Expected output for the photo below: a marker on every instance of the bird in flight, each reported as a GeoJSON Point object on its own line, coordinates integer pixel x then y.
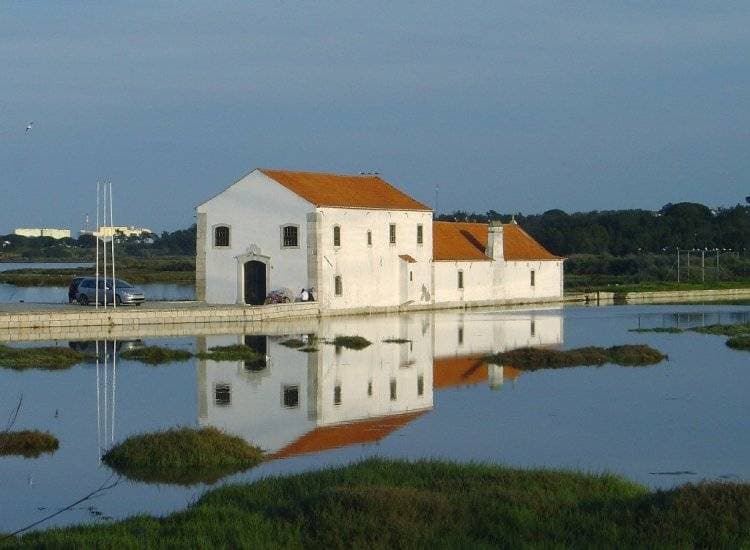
{"type": "Point", "coordinates": [29, 126]}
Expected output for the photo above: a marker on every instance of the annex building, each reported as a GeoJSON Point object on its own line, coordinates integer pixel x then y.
{"type": "Point", "coordinates": [360, 243]}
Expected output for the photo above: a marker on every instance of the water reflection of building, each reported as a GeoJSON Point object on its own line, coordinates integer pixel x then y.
{"type": "Point", "coordinates": [294, 402]}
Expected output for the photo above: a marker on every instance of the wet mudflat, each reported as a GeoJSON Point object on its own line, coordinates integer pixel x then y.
{"type": "Point", "coordinates": [422, 388]}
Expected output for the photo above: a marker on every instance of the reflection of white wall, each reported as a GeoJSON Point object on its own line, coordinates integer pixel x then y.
{"type": "Point", "coordinates": [256, 410]}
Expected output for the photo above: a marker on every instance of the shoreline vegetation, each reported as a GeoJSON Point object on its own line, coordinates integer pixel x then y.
{"type": "Point", "coordinates": [388, 503]}
{"type": "Point", "coordinates": [182, 456]}
{"type": "Point", "coordinates": [531, 359]}
{"type": "Point", "coordinates": [738, 333]}
{"type": "Point", "coordinates": [27, 443]}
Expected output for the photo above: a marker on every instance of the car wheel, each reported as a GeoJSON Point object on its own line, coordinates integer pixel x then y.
{"type": "Point", "coordinates": [285, 299]}
{"type": "Point", "coordinates": [83, 299]}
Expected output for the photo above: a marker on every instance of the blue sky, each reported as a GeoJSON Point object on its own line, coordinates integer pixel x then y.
{"type": "Point", "coordinates": [515, 106]}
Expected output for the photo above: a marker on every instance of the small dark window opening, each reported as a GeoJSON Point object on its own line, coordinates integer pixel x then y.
{"type": "Point", "coordinates": [369, 388]}
{"type": "Point", "coordinates": [337, 394]}
{"type": "Point", "coordinates": [392, 233]}
{"type": "Point", "coordinates": [533, 278]}
{"type": "Point", "coordinates": [393, 389]}
{"type": "Point", "coordinates": [369, 238]}
{"type": "Point", "coordinates": [221, 236]}
{"type": "Point", "coordinates": [420, 385]}
{"type": "Point", "coordinates": [460, 335]}
{"type": "Point", "coordinates": [338, 286]}
{"type": "Point", "coordinates": [290, 236]}
{"type": "Point", "coordinates": [411, 276]}
{"type": "Point", "coordinates": [533, 328]}
{"type": "Point", "coordinates": [291, 396]}
{"type": "Point", "coordinates": [460, 279]}
{"type": "Point", "coordinates": [223, 395]}
{"type": "Point", "coordinates": [336, 235]}
{"type": "Point", "coordinates": [419, 233]}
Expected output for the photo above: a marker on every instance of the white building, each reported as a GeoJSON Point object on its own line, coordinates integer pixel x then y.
{"type": "Point", "coordinates": [361, 244]}
{"type": "Point", "coordinates": [42, 232]}
{"type": "Point", "coordinates": [118, 230]}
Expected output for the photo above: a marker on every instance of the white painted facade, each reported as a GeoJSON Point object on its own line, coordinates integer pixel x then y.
{"type": "Point", "coordinates": [364, 269]}
{"type": "Point", "coordinates": [42, 232]}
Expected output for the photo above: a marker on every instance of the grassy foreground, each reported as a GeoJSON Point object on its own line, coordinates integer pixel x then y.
{"type": "Point", "coordinates": [182, 456]}
{"type": "Point", "coordinates": [46, 358]}
{"type": "Point", "coordinates": [541, 358]}
{"type": "Point", "coordinates": [390, 504]}
{"type": "Point", "coordinates": [27, 443]}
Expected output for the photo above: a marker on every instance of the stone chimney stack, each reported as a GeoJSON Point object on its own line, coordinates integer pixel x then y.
{"type": "Point", "coordinates": [495, 241]}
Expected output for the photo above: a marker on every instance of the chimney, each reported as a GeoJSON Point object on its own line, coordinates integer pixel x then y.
{"type": "Point", "coordinates": [495, 240]}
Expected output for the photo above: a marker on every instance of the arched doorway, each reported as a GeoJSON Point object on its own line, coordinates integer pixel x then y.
{"type": "Point", "coordinates": [255, 282]}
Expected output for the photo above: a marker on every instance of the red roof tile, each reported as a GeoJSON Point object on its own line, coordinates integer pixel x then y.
{"type": "Point", "coordinates": [468, 241]}
{"type": "Point", "coordinates": [343, 191]}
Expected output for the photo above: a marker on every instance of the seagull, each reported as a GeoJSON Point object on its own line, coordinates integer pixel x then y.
{"type": "Point", "coordinates": [30, 125]}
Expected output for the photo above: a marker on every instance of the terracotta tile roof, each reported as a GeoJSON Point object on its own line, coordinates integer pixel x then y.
{"type": "Point", "coordinates": [448, 372]}
{"type": "Point", "coordinates": [408, 259]}
{"type": "Point", "coordinates": [349, 433]}
{"type": "Point", "coordinates": [468, 241]}
{"type": "Point", "coordinates": [343, 191]}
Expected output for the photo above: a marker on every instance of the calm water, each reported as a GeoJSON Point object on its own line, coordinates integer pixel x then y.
{"type": "Point", "coordinates": [7, 266]}
{"type": "Point", "coordinates": [431, 397]}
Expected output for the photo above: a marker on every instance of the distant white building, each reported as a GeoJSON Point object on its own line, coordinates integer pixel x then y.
{"type": "Point", "coordinates": [119, 230]}
{"type": "Point", "coordinates": [42, 232]}
{"type": "Point", "coordinates": [361, 244]}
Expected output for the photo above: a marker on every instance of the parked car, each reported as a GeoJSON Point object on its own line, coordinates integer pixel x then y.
{"type": "Point", "coordinates": [121, 293]}
{"type": "Point", "coordinates": [73, 289]}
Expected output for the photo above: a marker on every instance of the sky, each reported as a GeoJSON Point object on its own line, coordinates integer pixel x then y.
{"type": "Point", "coordinates": [516, 106]}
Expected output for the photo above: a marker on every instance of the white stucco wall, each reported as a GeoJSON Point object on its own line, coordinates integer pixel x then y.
{"type": "Point", "coordinates": [255, 208]}
{"type": "Point", "coordinates": [477, 281]}
{"type": "Point", "coordinates": [374, 275]}
{"type": "Point", "coordinates": [548, 279]}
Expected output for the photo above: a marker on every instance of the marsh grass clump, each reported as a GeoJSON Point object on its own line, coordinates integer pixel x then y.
{"type": "Point", "coordinates": [182, 456]}
{"type": "Point", "coordinates": [539, 358]}
{"type": "Point", "coordinates": [308, 349]}
{"type": "Point", "coordinates": [667, 330]}
{"type": "Point", "coordinates": [236, 352]}
{"type": "Point", "coordinates": [725, 330]}
{"type": "Point", "coordinates": [382, 504]}
{"type": "Point", "coordinates": [156, 355]}
{"type": "Point", "coordinates": [46, 358]}
{"type": "Point", "coordinates": [27, 443]}
{"type": "Point", "coordinates": [396, 341]}
{"type": "Point", "coordinates": [740, 342]}
{"type": "Point", "coordinates": [351, 342]}
{"type": "Point", "coordinates": [293, 343]}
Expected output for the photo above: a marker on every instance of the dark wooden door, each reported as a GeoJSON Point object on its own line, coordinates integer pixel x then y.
{"type": "Point", "coordinates": [255, 282]}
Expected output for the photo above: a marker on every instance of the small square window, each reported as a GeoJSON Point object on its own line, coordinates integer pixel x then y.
{"type": "Point", "coordinates": [392, 233]}
{"type": "Point", "coordinates": [221, 236]}
{"type": "Point", "coordinates": [290, 395]}
{"type": "Point", "coordinates": [419, 233]}
{"type": "Point", "coordinates": [222, 395]}
{"type": "Point", "coordinates": [290, 236]}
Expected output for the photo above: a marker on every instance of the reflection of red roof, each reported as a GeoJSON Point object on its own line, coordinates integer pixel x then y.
{"type": "Point", "coordinates": [448, 372]}
{"type": "Point", "coordinates": [350, 433]}
{"type": "Point", "coordinates": [344, 191]}
{"type": "Point", "coordinates": [468, 241]}
{"type": "Point", "coordinates": [408, 259]}
{"type": "Point", "coordinates": [458, 371]}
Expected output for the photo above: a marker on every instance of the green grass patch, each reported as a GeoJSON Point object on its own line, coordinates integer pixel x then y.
{"type": "Point", "coordinates": [668, 330]}
{"type": "Point", "coordinates": [182, 456]}
{"type": "Point", "coordinates": [46, 358]}
{"type": "Point", "coordinates": [740, 342]}
{"type": "Point", "coordinates": [396, 341]}
{"type": "Point", "coordinates": [236, 352]}
{"type": "Point", "coordinates": [393, 504]}
{"type": "Point", "coordinates": [293, 343]}
{"type": "Point", "coordinates": [156, 355]}
{"type": "Point", "coordinates": [539, 358]}
{"type": "Point", "coordinates": [308, 349]}
{"type": "Point", "coordinates": [27, 443]}
{"type": "Point", "coordinates": [351, 342]}
{"type": "Point", "coordinates": [725, 330]}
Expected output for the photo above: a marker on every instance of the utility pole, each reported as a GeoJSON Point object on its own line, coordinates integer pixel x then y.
{"type": "Point", "coordinates": [678, 264]}
{"type": "Point", "coordinates": [703, 266]}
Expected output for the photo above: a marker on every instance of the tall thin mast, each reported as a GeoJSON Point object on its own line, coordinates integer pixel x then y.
{"type": "Point", "coordinates": [112, 224]}
{"type": "Point", "coordinates": [104, 244]}
{"type": "Point", "coordinates": [96, 240]}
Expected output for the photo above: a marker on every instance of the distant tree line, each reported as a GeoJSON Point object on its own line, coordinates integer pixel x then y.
{"type": "Point", "coordinates": [625, 232]}
{"type": "Point", "coordinates": [175, 243]}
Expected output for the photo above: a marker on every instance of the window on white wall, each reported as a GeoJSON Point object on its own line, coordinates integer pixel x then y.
{"type": "Point", "coordinates": [460, 279]}
{"type": "Point", "coordinates": [533, 278]}
{"type": "Point", "coordinates": [223, 395]}
{"type": "Point", "coordinates": [369, 238]}
{"type": "Point", "coordinates": [336, 235]}
{"type": "Point", "coordinates": [420, 233]}
{"type": "Point", "coordinates": [221, 235]}
{"type": "Point", "coordinates": [290, 236]}
{"type": "Point", "coordinates": [290, 395]}
{"type": "Point", "coordinates": [338, 287]}
{"type": "Point", "coordinates": [392, 233]}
